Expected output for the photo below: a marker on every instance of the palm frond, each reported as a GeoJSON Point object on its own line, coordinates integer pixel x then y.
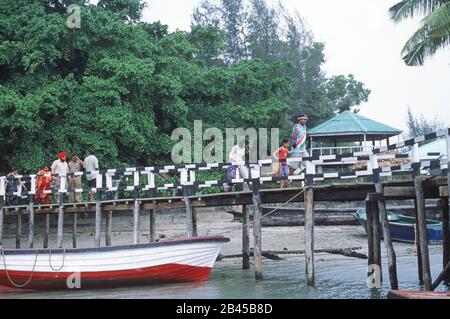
{"type": "Point", "coordinates": [421, 46]}
{"type": "Point", "coordinates": [406, 9]}
{"type": "Point", "coordinates": [438, 21]}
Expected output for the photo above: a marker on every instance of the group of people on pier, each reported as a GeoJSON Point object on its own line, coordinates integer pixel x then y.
{"type": "Point", "coordinates": [48, 178]}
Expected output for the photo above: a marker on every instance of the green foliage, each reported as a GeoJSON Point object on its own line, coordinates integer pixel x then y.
{"type": "Point", "coordinates": [419, 125]}
{"type": "Point", "coordinates": [117, 87]}
{"type": "Point", "coordinates": [434, 32]}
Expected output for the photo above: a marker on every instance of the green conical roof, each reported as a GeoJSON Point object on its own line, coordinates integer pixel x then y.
{"type": "Point", "coordinates": [349, 123]}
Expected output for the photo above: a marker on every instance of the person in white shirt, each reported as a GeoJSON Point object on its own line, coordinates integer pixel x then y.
{"type": "Point", "coordinates": [91, 165]}
{"type": "Point", "coordinates": [60, 167]}
{"type": "Point", "coordinates": [237, 159]}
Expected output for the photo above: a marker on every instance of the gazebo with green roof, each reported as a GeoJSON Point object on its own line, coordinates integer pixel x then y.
{"type": "Point", "coordinates": [349, 132]}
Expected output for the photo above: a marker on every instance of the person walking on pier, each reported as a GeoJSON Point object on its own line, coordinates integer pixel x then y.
{"type": "Point", "coordinates": [91, 166]}
{"type": "Point", "coordinates": [299, 135]}
{"type": "Point", "coordinates": [44, 183]}
{"type": "Point", "coordinates": [237, 159]}
{"type": "Point", "coordinates": [281, 155]}
{"type": "Point", "coordinates": [75, 166]}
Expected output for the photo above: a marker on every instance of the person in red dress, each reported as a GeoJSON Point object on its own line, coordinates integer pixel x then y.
{"type": "Point", "coordinates": [44, 183]}
{"type": "Point", "coordinates": [282, 154]}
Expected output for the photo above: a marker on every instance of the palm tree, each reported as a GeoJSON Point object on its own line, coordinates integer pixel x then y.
{"type": "Point", "coordinates": [434, 32]}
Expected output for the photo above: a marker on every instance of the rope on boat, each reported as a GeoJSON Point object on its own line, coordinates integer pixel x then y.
{"type": "Point", "coordinates": [7, 272]}
{"type": "Point", "coordinates": [50, 260]}
{"type": "Point", "coordinates": [269, 213]}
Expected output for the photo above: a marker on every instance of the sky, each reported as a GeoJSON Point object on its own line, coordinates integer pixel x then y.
{"type": "Point", "coordinates": [359, 39]}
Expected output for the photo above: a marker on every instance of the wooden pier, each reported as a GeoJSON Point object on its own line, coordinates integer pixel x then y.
{"type": "Point", "coordinates": [368, 185]}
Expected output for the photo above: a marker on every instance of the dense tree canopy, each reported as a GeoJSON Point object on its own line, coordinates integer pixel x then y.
{"type": "Point", "coordinates": [118, 86]}
{"type": "Point", "coordinates": [254, 30]}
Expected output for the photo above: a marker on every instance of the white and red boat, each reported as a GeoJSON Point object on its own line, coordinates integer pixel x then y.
{"type": "Point", "coordinates": [182, 260]}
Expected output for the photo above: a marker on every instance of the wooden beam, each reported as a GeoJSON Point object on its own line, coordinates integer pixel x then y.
{"type": "Point", "coordinates": [189, 218]}
{"type": "Point", "coordinates": [31, 224]}
{"type": "Point", "coordinates": [108, 229]}
{"type": "Point", "coordinates": [152, 225]}
{"type": "Point", "coordinates": [137, 222]}
{"type": "Point", "coordinates": [445, 234]}
{"type": "Point", "coordinates": [74, 230]}
{"type": "Point", "coordinates": [60, 231]}
{"type": "Point", "coordinates": [443, 191]}
{"type": "Point", "coordinates": [245, 237]}
{"type": "Point", "coordinates": [423, 232]}
{"type": "Point", "coordinates": [2, 217]}
{"type": "Point", "coordinates": [257, 230]}
{"type": "Point", "coordinates": [309, 234]}
{"type": "Point", "coordinates": [98, 223]}
{"type": "Point", "coordinates": [417, 243]}
{"type": "Point", "coordinates": [46, 231]}
{"type": "Point", "coordinates": [194, 223]}
{"type": "Point", "coordinates": [18, 230]}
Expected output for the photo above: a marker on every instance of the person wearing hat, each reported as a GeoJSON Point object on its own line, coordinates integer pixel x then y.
{"type": "Point", "coordinates": [60, 167]}
{"type": "Point", "coordinates": [299, 135]}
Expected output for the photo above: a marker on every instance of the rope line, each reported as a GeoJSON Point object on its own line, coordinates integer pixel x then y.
{"type": "Point", "coordinates": [11, 281]}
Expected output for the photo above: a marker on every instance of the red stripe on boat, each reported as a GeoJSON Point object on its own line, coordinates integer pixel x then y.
{"type": "Point", "coordinates": [157, 274]}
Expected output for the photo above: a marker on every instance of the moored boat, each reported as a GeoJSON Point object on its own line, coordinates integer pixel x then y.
{"type": "Point", "coordinates": [409, 294]}
{"type": "Point", "coordinates": [402, 227]}
{"type": "Point", "coordinates": [169, 261]}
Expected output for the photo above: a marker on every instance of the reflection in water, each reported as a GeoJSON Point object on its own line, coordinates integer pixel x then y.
{"type": "Point", "coordinates": [336, 277]}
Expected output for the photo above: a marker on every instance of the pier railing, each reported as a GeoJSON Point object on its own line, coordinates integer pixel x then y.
{"type": "Point", "coordinates": [147, 181]}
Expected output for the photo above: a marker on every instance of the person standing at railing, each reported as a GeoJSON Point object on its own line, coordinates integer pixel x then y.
{"type": "Point", "coordinates": [91, 166]}
{"type": "Point", "coordinates": [13, 185]}
{"type": "Point", "coordinates": [299, 138]}
{"type": "Point", "coordinates": [281, 155]}
{"type": "Point", "coordinates": [60, 167]}
{"type": "Point", "coordinates": [75, 166]}
{"type": "Point", "coordinates": [43, 183]}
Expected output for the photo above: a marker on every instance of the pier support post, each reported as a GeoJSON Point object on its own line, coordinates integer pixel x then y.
{"type": "Point", "coordinates": [257, 231]}
{"type": "Point", "coordinates": [46, 231]}
{"type": "Point", "coordinates": [60, 231]}
{"type": "Point", "coordinates": [245, 238]}
{"type": "Point", "coordinates": [31, 223]}
{"type": "Point", "coordinates": [18, 228]}
{"type": "Point", "coordinates": [98, 222]}
{"type": "Point", "coordinates": [373, 226]}
{"type": "Point", "coordinates": [445, 235]}
{"type": "Point", "coordinates": [370, 230]}
{"type": "Point", "coordinates": [152, 226]}
{"type": "Point", "coordinates": [416, 172]}
{"type": "Point", "coordinates": [2, 205]}
{"type": "Point", "coordinates": [137, 222]}
{"type": "Point", "coordinates": [2, 216]}
{"type": "Point", "coordinates": [108, 229]}
{"type": "Point", "coordinates": [309, 223]}
{"type": "Point", "coordinates": [423, 233]}
{"type": "Point", "coordinates": [194, 223]}
{"type": "Point", "coordinates": [74, 230]}
{"type": "Point", "coordinates": [392, 258]}
{"type": "Point", "coordinates": [189, 214]}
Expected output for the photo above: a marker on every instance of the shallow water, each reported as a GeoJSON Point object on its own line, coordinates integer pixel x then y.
{"type": "Point", "coordinates": [336, 278]}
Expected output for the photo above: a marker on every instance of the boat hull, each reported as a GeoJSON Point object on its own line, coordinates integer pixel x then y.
{"type": "Point", "coordinates": [188, 260]}
{"type": "Point", "coordinates": [402, 228]}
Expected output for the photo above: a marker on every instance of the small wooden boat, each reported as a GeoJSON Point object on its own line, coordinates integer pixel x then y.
{"type": "Point", "coordinates": [293, 216]}
{"type": "Point", "coordinates": [407, 294]}
{"type": "Point", "coordinates": [402, 227]}
{"type": "Point", "coordinates": [182, 260]}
